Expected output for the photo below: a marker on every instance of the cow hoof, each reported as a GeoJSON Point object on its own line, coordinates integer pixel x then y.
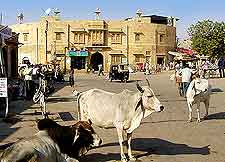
{"type": "Point", "coordinates": [198, 120]}
{"type": "Point", "coordinates": [190, 120]}
{"type": "Point", "coordinates": [124, 159]}
{"type": "Point", "coordinates": [132, 158]}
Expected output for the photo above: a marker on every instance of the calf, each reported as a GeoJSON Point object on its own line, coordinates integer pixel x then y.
{"type": "Point", "coordinates": [53, 143]}
{"type": "Point", "coordinates": [198, 91]}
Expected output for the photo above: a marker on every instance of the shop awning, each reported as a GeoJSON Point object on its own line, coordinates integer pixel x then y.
{"type": "Point", "coordinates": [77, 53]}
{"type": "Point", "coordinates": [177, 54]}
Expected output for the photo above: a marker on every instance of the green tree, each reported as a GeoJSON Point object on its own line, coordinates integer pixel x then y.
{"type": "Point", "coordinates": [208, 37]}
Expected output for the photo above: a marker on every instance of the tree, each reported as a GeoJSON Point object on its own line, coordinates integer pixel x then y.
{"type": "Point", "coordinates": [208, 37]}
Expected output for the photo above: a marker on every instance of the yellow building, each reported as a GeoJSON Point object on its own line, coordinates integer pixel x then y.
{"type": "Point", "coordinates": [83, 43]}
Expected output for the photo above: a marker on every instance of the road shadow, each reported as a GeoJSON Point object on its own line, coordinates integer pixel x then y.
{"type": "Point", "coordinates": [66, 116]}
{"type": "Point", "coordinates": [216, 90]}
{"type": "Point", "coordinates": [129, 81]}
{"type": "Point", "coordinates": [16, 113]}
{"type": "Point", "coordinates": [60, 99]}
{"type": "Point", "coordinates": [216, 116]}
{"type": "Point", "coordinates": [164, 121]}
{"type": "Point", "coordinates": [149, 146]}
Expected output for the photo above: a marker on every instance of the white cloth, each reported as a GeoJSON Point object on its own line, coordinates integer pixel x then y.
{"type": "Point", "coordinates": [186, 74]}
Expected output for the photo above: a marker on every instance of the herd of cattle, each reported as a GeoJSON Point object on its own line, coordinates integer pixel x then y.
{"type": "Point", "coordinates": [124, 111]}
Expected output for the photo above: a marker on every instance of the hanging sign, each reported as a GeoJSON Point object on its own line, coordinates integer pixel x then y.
{"type": "Point", "coordinates": [3, 87]}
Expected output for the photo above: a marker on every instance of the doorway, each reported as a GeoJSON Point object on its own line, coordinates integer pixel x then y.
{"type": "Point", "coordinates": [160, 60]}
{"type": "Point", "coordinates": [96, 59]}
{"type": "Point", "coordinates": [78, 62]}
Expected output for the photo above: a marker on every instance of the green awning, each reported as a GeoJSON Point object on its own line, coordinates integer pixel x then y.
{"type": "Point", "coordinates": [77, 53]}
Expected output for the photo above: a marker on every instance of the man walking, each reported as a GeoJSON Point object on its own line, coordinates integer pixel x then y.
{"type": "Point", "coordinates": [100, 70]}
{"type": "Point", "coordinates": [221, 65]}
{"type": "Point", "coordinates": [186, 73]}
{"type": "Point", "coordinates": [71, 78]}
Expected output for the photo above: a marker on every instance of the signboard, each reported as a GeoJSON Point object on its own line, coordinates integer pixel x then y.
{"type": "Point", "coordinates": [3, 87]}
{"type": "Point", "coordinates": [124, 60]}
{"type": "Point", "coordinates": [78, 53]}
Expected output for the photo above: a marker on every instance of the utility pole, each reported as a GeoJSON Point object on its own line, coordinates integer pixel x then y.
{"type": "Point", "coordinates": [1, 18]}
{"type": "Point", "coordinates": [46, 41]}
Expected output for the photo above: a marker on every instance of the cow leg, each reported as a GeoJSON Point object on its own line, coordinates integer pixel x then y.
{"type": "Point", "coordinates": [206, 102]}
{"type": "Point", "coordinates": [129, 137]}
{"type": "Point", "coordinates": [198, 112]}
{"type": "Point", "coordinates": [190, 112]}
{"type": "Point", "coordinates": [120, 136]}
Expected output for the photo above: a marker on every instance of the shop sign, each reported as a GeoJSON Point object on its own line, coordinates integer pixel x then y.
{"type": "Point", "coordinates": [77, 53]}
{"type": "Point", "coordinates": [3, 87]}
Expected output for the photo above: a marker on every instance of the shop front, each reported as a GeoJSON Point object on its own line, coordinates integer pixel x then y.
{"type": "Point", "coordinates": [78, 59]}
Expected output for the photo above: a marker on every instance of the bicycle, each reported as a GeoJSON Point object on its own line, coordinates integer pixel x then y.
{"type": "Point", "coordinates": [41, 95]}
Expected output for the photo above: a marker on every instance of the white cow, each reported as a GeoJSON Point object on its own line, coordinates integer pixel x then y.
{"type": "Point", "coordinates": [198, 91]}
{"type": "Point", "coordinates": [123, 110]}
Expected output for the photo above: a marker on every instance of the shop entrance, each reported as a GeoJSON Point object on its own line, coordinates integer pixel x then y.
{"type": "Point", "coordinates": [96, 59]}
{"type": "Point", "coordinates": [160, 60]}
{"type": "Point", "coordinates": [78, 62]}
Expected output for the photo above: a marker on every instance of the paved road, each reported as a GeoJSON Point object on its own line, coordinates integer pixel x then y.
{"type": "Point", "coordinates": [162, 137]}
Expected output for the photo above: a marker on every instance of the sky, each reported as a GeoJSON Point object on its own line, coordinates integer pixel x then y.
{"type": "Point", "coordinates": [188, 11]}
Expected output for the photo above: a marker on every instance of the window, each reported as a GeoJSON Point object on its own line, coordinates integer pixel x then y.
{"type": "Point", "coordinates": [25, 37]}
{"type": "Point", "coordinates": [116, 59]}
{"type": "Point", "coordinates": [81, 38]}
{"type": "Point", "coordinates": [162, 38]}
{"type": "Point", "coordinates": [58, 36]}
{"type": "Point", "coordinates": [148, 53]}
{"type": "Point", "coordinates": [116, 39]}
{"type": "Point", "coordinates": [137, 36]}
{"type": "Point", "coordinates": [139, 58]}
{"type": "Point", "coordinates": [113, 38]}
{"type": "Point", "coordinates": [76, 40]}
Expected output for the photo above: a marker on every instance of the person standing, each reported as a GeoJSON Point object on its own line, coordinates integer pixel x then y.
{"type": "Point", "coordinates": [71, 78]}
{"type": "Point", "coordinates": [186, 73]}
{"type": "Point", "coordinates": [221, 65]}
{"type": "Point", "coordinates": [100, 70]}
{"type": "Point", "coordinates": [28, 82]}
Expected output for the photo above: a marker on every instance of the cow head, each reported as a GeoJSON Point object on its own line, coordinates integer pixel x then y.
{"type": "Point", "coordinates": [149, 100]}
{"type": "Point", "coordinates": [74, 140]}
{"type": "Point", "coordinates": [200, 85]}
{"type": "Point", "coordinates": [85, 137]}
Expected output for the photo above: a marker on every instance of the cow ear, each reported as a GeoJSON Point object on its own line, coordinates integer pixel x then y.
{"type": "Point", "coordinates": [139, 87]}
{"type": "Point", "coordinates": [148, 82]}
{"type": "Point", "coordinates": [89, 121]}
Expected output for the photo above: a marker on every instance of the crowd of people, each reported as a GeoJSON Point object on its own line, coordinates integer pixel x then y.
{"type": "Point", "coordinates": [30, 77]}
{"type": "Point", "coordinates": [186, 71]}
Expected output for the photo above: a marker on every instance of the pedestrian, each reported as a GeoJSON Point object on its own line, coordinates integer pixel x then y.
{"type": "Point", "coordinates": [147, 68]}
{"type": "Point", "coordinates": [28, 82]}
{"type": "Point", "coordinates": [221, 65]}
{"type": "Point", "coordinates": [71, 78]}
{"type": "Point", "coordinates": [100, 70]}
{"type": "Point", "coordinates": [186, 74]}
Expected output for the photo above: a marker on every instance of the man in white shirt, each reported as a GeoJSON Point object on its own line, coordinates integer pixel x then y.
{"type": "Point", "coordinates": [186, 73]}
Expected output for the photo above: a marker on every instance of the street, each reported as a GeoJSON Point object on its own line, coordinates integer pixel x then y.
{"type": "Point", "coordinates": [162, 137]}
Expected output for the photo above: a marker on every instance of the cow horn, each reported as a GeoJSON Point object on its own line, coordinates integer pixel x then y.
{"type": "Point", "coordinates": [139, 87]}
{"type": "Point", "coordinates": [148, 82]}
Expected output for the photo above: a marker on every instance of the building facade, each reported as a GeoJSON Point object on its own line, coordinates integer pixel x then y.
{"type": "Point", "coordinates": [8, 52]}
{"type": "Point", "coordinates": [88, 43]}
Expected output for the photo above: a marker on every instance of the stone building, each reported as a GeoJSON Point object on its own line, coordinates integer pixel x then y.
{"type": "Point", "coordinates": [8, 52]}
{"type": "Point", "coordinates": [80, 43]}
